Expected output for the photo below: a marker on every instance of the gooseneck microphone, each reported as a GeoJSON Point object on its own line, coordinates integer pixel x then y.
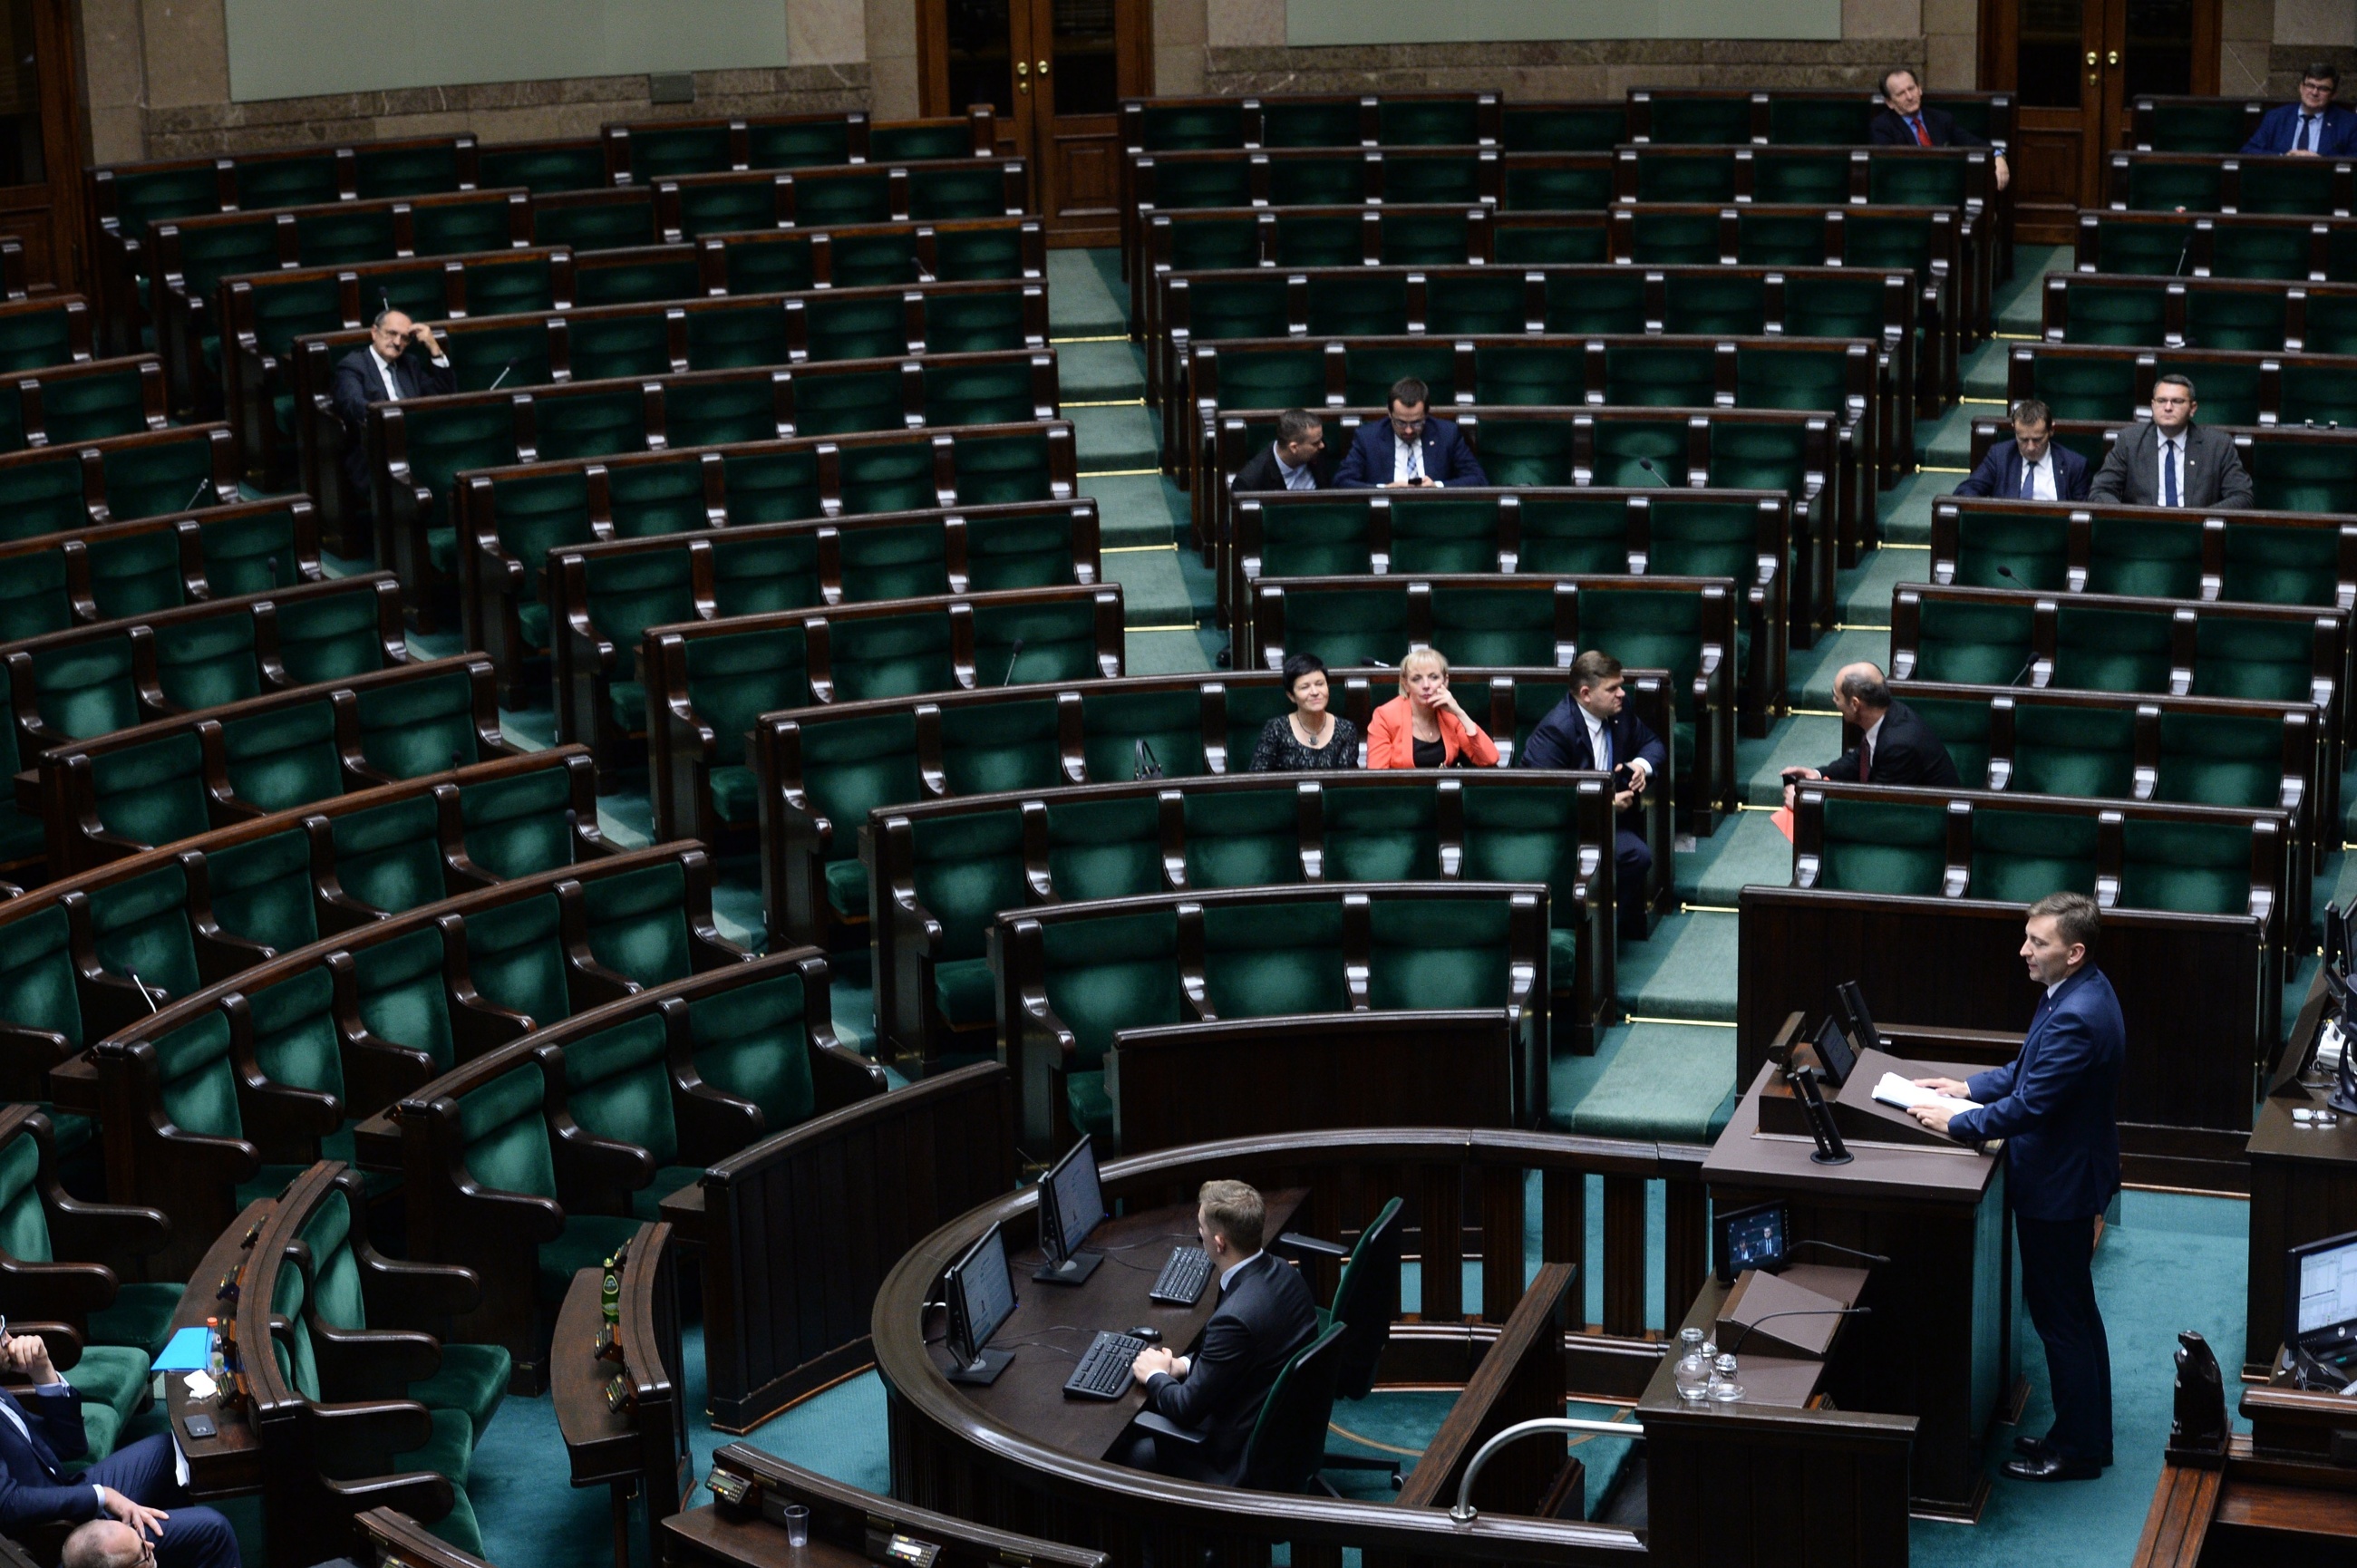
{"type": "Point", "coordinates": [1647, 464]}
{"type": "Point", "coordinates": [502, 376]}
{"type": "Point", "coordinates": [1013, 654]}
{"type": "Point", "coordinates": [1836, 1247]}
{"type": "Point", "coordinates": [1798, 1312]}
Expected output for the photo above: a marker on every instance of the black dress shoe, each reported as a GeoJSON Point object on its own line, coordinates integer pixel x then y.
{"type": "Point", "coordinates": [2051, 1467]}
{"type": "Point", "coordinates": [2030, 1447]}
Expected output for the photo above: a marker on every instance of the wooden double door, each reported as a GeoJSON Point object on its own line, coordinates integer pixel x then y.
{"type": "Point", "coordinates": [2076, 67]}
{"type": "Point", "coordinates": [1056, 70]}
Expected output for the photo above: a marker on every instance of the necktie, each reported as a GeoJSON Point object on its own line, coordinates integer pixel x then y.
{"type": "Point", "coordinates": [1866, 759]}
{"type": "Point", "coordinates": [1416, 459]}
{"type": "Point", "coordinates": [2169, 473]}
{"type": "Point", "coordinates": [2030, 481]}
{"type": "Point", "coordinates": [2308, 132]}
{"type": "Point", "coordinates": [1915, 124]}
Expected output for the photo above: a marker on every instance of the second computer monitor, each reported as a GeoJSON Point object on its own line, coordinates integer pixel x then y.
{"type": "Point", "coordinates": [981, 1297]}
{"type": "Point", "coordinates": [1071, 1206]}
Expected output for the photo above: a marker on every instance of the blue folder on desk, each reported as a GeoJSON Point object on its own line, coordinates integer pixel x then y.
{"type": "Point", "coordinates": [190, 1350]}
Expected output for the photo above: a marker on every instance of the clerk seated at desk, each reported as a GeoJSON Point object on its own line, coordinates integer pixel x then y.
{"type": "Point", "coordinates": [1265, 1315]}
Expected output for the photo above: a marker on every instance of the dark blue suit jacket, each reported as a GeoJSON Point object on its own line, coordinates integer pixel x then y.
{"type": "Point", "coordinates": [32, 1488]}
{"type": "Point", "coordinates": [2056, 1104]}
{"type": "Point", "coordinates": [1561, 741]}
{"type": "Point", "coordinates": [1262, 1319]}
{"type": "Point", "coordinates": [1447, 457]}
{"type": "Point", "coordinates": [2276, 132]}
{"type": "Point", "coordinates": [2000, 473]}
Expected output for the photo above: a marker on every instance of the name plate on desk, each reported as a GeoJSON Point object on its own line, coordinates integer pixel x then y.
{"type": "Point", "coordinates": [1861, 1118]}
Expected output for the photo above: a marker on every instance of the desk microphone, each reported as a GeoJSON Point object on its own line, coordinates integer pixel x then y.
{"type": "Point", "coordinates": [1836, 1247]}
{"type": "Point", "coordinates": [1647, 464]}
{"type": "Point", "coordinates": [191, 503]}
{"type": "Point", "coordinates": [502, 376]}
{"type": "Point", "coordinates": [1798, 1312]}
{"type": "Point", "coordinates": [2179, 269]}
{"type": "Point", "coordinates": [1013, 654]}
{"type": "Point", "coordinates": [2006, 573]}
{"type": "Point", "coordinates": [145, 992]}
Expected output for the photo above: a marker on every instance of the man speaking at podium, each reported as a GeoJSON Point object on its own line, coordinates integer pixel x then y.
{"type": "Point", "coordinates": [2055, 1105]}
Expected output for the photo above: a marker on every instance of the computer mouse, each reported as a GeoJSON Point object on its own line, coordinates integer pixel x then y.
{"type": "Point", "coordinates": [1149, 1335]}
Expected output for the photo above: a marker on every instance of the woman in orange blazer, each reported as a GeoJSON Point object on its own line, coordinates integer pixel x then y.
{"type": "Point", "coordinates": [1423, 727]}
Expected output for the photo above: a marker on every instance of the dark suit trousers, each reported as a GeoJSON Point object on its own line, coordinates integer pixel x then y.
{"type": "Point", "coordinates": [194, 1537]}
{"type": "Point", "coordinates": [2058, 1286]}
{"type": "Point", "coordinates": [1632, 858]}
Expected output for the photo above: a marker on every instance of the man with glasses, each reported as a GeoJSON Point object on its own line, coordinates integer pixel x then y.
{"type": "Point", "coordinates": [2169, 460]}
{"type": "Point", "coordinates": [2315, 127]}
{"type": "Point", "coordinates": [1409, 450]}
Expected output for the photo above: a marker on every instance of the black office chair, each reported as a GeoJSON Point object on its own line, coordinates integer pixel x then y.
{"type": "Point", "coordinates": [1366, 1300]}
{"type": "Point", "coordinates": [1286, 1450]}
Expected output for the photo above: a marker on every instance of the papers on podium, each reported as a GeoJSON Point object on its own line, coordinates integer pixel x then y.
{"type": "Point", "coordinates": [1906, 1094]}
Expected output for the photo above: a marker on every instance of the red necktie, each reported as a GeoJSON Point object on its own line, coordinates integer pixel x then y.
{"type": "Point", "coordinates": [1865, 760]}
{"type": "Point", "coordinates": [1922, 136]}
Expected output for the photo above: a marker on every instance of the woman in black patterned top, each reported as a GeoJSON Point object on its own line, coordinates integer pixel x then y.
{"type": "Point", "coordinates": [1310, 737]}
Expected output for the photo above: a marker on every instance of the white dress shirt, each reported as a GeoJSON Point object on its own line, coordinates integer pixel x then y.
{"type": "Point", "coordinates": [384, 373]}
{"type": "Point", "coordinates": [2170, 449]}
{"type": "Point", "coordinates": [2311, 132]}
{"type": "Point", "coordinates": [2040, 476]}
{"type": "Point", "coordinates": [1295, 478]}
{"type": "Point", "coordinates": [1600, 742]}
{"type": "Point", "coordinates": [1407, 459]}
{"type": "Point", "coordinates": [1865, 742]}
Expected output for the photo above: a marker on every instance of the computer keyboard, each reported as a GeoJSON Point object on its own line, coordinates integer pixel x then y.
{"type": "Point", "coordinates": [1182, 1279]}
{"type": "Point", "coordinates": [1103, 1372]}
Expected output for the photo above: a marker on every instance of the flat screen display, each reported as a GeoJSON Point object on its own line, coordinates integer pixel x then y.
{"type": "Point", "coordinates": [1077, 1204]}
{"type": "Point", "coordinates": [2326, 1295]}
{"type": "Point", "coordinates": [981, 1293]}
{"type": "Point", "coordinates": [1751, 1239]}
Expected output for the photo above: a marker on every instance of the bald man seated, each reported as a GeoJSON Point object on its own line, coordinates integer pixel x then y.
{"type": "Point", "coordinates": [1895, 747]}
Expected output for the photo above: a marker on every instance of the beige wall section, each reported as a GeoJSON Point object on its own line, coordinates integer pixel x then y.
{"type": "Point", "coordinates": [1244, 51]}
{"type": "Point", "coordinates": [892, 57]}
{"type": "Point", "coordinates": [2246, 31]}
{"type": "Point", "coordinates": [158, 76]}
{"type": "Point", "coordinates": [2304, 30]}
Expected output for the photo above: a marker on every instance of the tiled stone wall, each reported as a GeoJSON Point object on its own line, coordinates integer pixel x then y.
{"type": "Point", "coordinates": [1586, 69]}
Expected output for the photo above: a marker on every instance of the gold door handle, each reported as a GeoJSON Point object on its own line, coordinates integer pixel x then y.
{"type": "Point", "coordinates": [2113, 58]}
{"type": "Point", "coordinates": [2091, 56]}
{"type": "Point", "coordinates": [1022, 76]}
{"type": "Point", "coordinates": [1043, 68]}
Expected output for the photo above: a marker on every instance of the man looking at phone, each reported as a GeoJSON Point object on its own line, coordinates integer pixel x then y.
{"type": "Point", "coordinates": [1592, 729]}
{"type": "Point", "coordinates": [1410, 449]}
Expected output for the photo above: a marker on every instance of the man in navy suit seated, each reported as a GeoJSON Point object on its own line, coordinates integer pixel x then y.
{"type": "Point", "coordinates": [2030, 467]}
{"type": "Point", "coordinates": [1592, 729]}
{"type": "Point", "coordinates": [2315, 126]}
{"type": "Point", "coordinates": [1264, 1317]}
{"type": "Point", "coordinates": [2056, 1106]}
{"type": "Point", "coordinates": [1410, 448]}
{"type": "Point", "coordinates": [120, 1500]}
{"type": "Point", "coordinates": [1906, 123]}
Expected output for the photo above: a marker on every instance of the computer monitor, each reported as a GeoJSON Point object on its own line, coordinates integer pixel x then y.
{"type": "Point", "coordinates": [1751, 1238]}
{"type": "Point", "coordinates": [1835, 1061]}
{"type": "Point", "coordinates": [980, 1296]}
{"type": "Point", "coordinates": [2320, 1298]}
{"type": "Point", "coordinates": [1071, 1206]}
{"type": "Point", "coordinates": [1857, 1021]}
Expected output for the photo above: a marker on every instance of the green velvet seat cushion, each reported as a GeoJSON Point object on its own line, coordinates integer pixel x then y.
{"type": "Point", "coordinates": [472, 1379]}
{"type": "Point", "coordinates": [646, 1203]}
{"type": "Point", "coordinates": [588, 1240]}
{"type": "Point", "coordinates": [748, 1041]}
{"type": "Point", "coordinates": [112, 1376]}
{"type": "Point", "coordinates": [460, 1528]}
{"type": "Point", "coordinates": [515, 826]}
{"type": "Point", "coordinates": [140, 1318]}
{"type": "Point", "coordinates": [846, 888]}
{"type": "Point", "coordinates": [447, 1452]}
{"type": "Point", "coordinates": [636, 923]}
{"type": "Point", "coordinates": [735, 795]}
{"type": "Point", "coordinates": [532, 620]}
{"type": "Point", "coordinates": [626, 704]}
{"type": "Point", "coordinates": [1091, 1105]}
{"type": "Point", "coordinates": [1562, 957]}
{"type": "Point", "coordinates": [442, 548]}
{"type": "Point", "coordinates": [966, 993]}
